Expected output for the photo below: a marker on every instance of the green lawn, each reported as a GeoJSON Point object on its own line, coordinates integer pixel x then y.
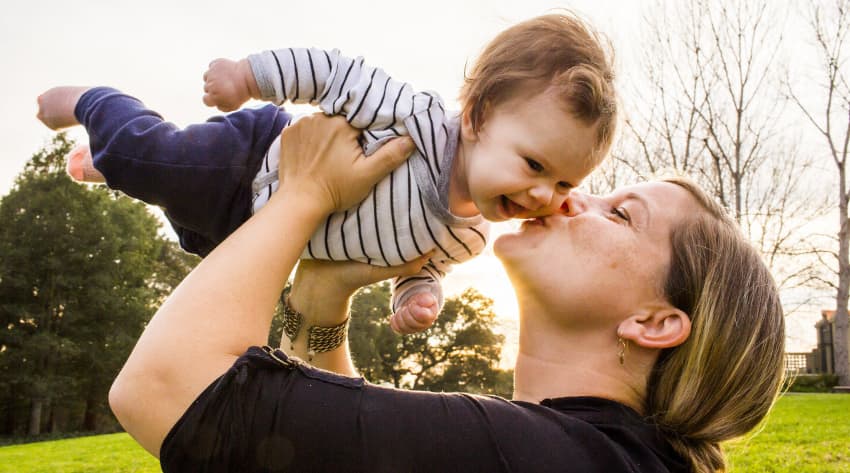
{"type": "Point", "coordinates": [112, 453]}
{"type": "Point", "coordinates": [806, 433]}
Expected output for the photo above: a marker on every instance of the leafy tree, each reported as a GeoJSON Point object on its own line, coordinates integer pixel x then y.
{"type": "Point", "coordinates": [81, 272]}
{"type": "Point", "coordinates": [459, 353]}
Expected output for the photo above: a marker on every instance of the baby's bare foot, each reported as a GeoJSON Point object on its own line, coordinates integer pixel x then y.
{"type": "Point", "coordinates": [81, 166]}
{"type": "Point", "coordinates": [56, 106]}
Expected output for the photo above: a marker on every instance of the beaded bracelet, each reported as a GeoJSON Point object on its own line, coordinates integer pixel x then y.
{"type": "Point", "coordinates": [319, 339]}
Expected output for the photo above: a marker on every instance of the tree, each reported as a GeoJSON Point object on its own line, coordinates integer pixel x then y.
{"type": "Point", "coordinates": [710, 104]}
{"type": "Point", "coordinates": [82, 270]}
{"type": "Point", "coordinates": [829, 115]}
{"type": "Point", "coordinates": [459, 353]}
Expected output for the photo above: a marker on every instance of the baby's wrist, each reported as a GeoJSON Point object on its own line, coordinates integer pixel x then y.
{"type": "Point", "coordinates": [247, 76]}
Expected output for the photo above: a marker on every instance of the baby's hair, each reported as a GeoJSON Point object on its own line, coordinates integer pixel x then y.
{"type": "Point", "coordinates": [556, 51]}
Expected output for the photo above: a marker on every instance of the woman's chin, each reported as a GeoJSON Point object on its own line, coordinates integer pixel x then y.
{"type": "Point", "coordinates": [510, 245]}
{"type": "Point", "coordinates": [505, 245]}
{"type": "Point", "coordinates": [511, 248]}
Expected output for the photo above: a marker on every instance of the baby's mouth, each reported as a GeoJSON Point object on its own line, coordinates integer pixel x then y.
{"type": "Point", "coordinates": [511, 209]}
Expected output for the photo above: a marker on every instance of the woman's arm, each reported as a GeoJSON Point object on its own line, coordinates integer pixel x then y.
{"type": "Point", "coordinates": [226, 304]}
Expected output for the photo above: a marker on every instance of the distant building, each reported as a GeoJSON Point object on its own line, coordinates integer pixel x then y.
{"type": "Point", "coordinates": [820, 360]}
{"type": "Point", "coordinates": [824, 360]}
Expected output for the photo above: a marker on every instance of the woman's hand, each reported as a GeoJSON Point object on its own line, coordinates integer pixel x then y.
{"type": "Point", "coordinates": [321, 161]}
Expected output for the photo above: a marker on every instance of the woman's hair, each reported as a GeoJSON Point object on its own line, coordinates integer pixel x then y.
{"type": "Point", "coordinates": [722, 381]}
{"type": "Point", "coordinates": [557, 51]}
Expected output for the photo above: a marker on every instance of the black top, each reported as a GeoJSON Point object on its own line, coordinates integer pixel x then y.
{"type": "Point", "coordinates": [270, 413]}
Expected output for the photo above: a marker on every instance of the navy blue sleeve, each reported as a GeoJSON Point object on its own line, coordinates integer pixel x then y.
{"type": "Point", "coordinates": [200, 175]}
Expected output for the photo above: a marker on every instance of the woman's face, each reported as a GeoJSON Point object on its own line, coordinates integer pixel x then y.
{"type": "Point", "coordinates": [601, 259]}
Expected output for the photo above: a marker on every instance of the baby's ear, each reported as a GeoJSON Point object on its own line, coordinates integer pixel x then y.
{"type": "Point", "coordinates": [467, 133]}
{"type": "Point", "coordinates": [469, 130]}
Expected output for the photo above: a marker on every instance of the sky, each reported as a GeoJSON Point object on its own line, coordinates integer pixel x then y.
{"type": "Point", "coordinates": [158, 51]}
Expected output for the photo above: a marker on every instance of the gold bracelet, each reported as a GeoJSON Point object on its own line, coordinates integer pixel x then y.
{"type": "Point", "coordinates": [319, 339]}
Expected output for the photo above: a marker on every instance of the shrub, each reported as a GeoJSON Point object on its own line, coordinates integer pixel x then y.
{"type": "Point", "coordinates": [812, 383]}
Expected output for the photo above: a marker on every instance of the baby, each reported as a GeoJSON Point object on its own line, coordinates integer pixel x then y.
{"type": "Point", "coordinates": [538, 111]}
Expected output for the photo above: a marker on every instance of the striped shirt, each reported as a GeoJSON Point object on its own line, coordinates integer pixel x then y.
{"type": "Point", "coordinates": [406, 215]}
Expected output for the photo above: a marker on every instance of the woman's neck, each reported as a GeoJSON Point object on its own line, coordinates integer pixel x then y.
{"type": "Point", "coordinates": [554, 362]}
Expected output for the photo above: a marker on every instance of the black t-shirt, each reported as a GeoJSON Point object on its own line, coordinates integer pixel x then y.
{"type": "Point", "coordinates": [270, 413]}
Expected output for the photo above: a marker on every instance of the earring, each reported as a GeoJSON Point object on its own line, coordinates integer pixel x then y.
{"type": "Point", "coordinates": [622, 349]}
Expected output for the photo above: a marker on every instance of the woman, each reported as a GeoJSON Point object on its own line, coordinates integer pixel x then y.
{"type": "Point", "coordinates": [649, 332]}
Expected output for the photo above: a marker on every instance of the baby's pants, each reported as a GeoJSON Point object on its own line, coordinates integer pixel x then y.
{"type": "Point", "coordinates": [200, 175]}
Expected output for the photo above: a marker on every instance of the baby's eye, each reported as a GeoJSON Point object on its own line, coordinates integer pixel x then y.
{"type": "Point", "coordinates": [564, 186]}
{"type": "Point", "coordinates": [534, 165]}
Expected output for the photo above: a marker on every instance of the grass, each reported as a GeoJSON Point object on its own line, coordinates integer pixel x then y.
{"type": "Point", "coordinates": [96, 454]}
{"type": "Point", "coordinates": [805, 433]}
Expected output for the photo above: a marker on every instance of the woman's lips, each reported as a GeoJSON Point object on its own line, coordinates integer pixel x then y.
{"type": "Point", "coordinates": [534, 222]}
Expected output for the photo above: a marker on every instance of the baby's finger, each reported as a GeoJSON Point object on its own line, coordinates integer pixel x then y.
{"type": "Point", "coordinates": [423, 310]}
{"type": "Point", "coordinates": [400, 322]}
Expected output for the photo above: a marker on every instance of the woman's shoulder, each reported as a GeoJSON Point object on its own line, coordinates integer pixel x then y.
{"type": "Point", "coordinates": [626, 433]}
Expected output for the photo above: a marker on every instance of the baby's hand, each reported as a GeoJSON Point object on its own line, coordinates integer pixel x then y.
{"type": "Point", "coordinates": [228, 84]}
{"type": "Point", "coordinates": [56, 106]}
{"type": "Point", "coordinates": [417, 314]}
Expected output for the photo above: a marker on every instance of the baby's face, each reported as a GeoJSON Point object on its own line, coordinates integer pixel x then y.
{"type": "Point", "coordinates": [526, 158]}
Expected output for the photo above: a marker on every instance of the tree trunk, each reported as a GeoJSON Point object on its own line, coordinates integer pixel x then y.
{"type": "Point", "coordinates": [8, 425]}
{"type": "Point", "coordinates": [35, 417]}
{"type": "Point", "coordinates": [840, 322]}
{"type": "Point", "coordinates": [51, 416]}
{"type": "Point", "coordinates": [840, 341]}
{"type": "Point", "coordinates": [90, 416]}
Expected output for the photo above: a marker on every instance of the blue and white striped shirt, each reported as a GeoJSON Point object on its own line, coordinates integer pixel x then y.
{"type": "Point", "coordinates": [406, 215]}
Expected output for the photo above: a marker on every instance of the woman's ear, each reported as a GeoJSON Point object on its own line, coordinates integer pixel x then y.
{"type": "Point", "coordinates": [661, 326]}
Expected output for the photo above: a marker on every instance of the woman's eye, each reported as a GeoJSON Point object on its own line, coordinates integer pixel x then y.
{"type": "Point", "coordinates": [534, 165]}
{"type": "Point", "coordinates": [621, 213]}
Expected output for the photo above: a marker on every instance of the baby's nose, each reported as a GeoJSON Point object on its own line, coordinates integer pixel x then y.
{"type": "Point", "coordinates": [542, 195]}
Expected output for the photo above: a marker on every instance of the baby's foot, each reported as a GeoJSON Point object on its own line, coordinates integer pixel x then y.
{"type": "Point", "coordinates": [81, 166]}
{"type": "Point", "coordinates": [56, 106]}
{"type": "Point", "coordinates": [417, 314]}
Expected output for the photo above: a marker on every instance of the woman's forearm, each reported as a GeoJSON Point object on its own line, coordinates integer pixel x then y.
{"type": "Point", "coordinates": [224, 306]}
{"type": "Point", "coordinates": [234, 290]}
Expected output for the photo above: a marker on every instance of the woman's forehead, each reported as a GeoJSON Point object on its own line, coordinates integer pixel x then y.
{"type": "Point", "coordinates": [654, 193]}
